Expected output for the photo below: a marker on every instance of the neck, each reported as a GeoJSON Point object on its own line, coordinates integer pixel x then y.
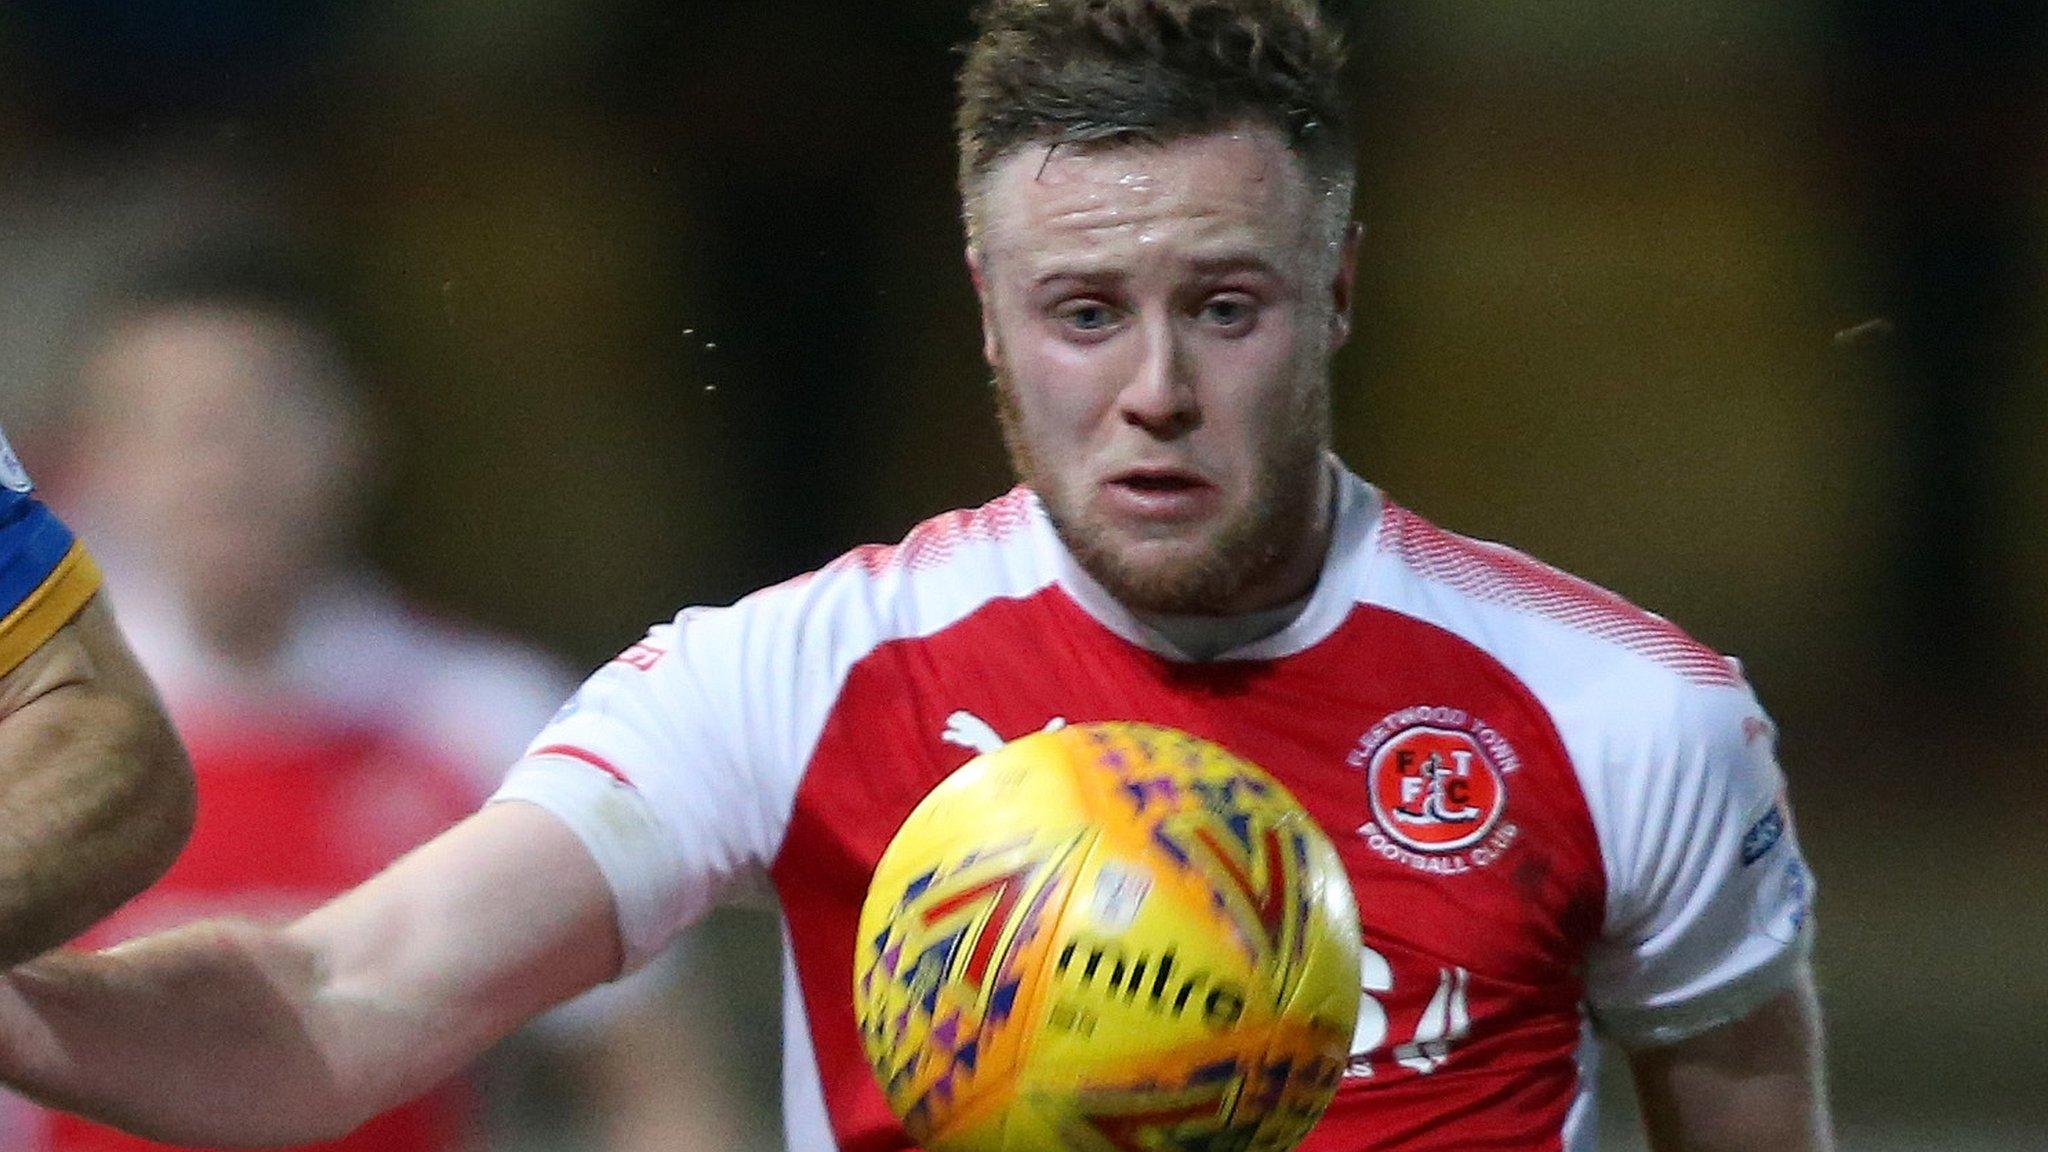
{"type": "Point", "coordinates": [1207, 637]}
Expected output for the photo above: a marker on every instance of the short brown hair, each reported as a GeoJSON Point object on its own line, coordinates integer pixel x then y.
{"type": "Point", "coordinates": [1093, 71]}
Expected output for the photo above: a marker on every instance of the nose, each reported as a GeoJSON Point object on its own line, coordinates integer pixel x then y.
{"type": "Point", "coordinates": [1161, 398]}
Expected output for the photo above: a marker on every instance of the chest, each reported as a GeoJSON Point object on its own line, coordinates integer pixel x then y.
{"type": "Point", "coordinates": [1438, 777]}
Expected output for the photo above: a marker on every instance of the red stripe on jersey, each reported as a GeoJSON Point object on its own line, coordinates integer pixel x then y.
{"type": "Point", "coordinates": [1500, 575]}
{"type": "Point", "coordinates": [591, 758]}
{"type": "Point", "coordinates": [932, 543]}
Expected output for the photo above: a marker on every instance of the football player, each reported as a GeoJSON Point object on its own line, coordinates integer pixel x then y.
{"type": "Point", "coordinates": [1562, 817]}
{"type": "Point", "coordinates": [95, 792]}
{"type": "Point", "coordinates": [221, 443]}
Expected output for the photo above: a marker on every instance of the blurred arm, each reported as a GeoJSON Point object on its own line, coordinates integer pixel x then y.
{"type": "Point", "coordinates": [95, 794]}
{"type": "Point", "coordinates": [1755, 1085]}
{"type": "Point", "coordinates": [230, 1033]}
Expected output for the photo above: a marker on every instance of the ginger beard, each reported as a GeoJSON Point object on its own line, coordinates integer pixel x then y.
{"type": "Point", "coordinates": [1211, 570]}
{"type": "Point", "coordinates": [1160, 319]}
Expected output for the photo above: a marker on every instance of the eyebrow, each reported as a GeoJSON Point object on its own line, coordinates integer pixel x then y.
{"type": "Point", "coordinates": [1235, 262]}
{"type": "Point", "coordinates": [1221, 264]}
{"type": "Point", "coordinates": [1083, 273]}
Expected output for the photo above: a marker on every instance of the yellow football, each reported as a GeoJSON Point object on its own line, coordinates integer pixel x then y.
{"type": "Point", "coordinates": [1105, 938]}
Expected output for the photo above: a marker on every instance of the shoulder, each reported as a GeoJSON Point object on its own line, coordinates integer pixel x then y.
{"type": "Point", "coordinates": [713, 717]}
{"type": "Point", "coordinates": [941, 572]}
{"type": "Point", "coordinates": [1513, 602]}
{"type": "Point", "coordinates": [1640, 705]}
{"type": "Point", "coordinates": [762, 674]}
{"type": "Point", "coordinates": [1589, 655]}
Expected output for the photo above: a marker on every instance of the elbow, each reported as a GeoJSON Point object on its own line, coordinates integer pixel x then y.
{"type": "Point", "coordinates": [148, 803]}
{"type": "Point", "coordinates": [110, 802]}
{"type": "Point", "coordinates": [165, 797]}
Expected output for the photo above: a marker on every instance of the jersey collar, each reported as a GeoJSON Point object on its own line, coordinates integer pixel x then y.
{"type": "Point", "coordinates": [1355, 525]}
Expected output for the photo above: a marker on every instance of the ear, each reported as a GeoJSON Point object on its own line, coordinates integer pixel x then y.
{"type": "Point", "coordinates": [978, 272]}
{"type": "Point", "coordinates": [1341, 287]}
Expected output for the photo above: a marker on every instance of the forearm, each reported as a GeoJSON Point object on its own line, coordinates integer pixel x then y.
{"type": "Point", "coordinates": [204, 1035]}
{"type": "Point", "coordinates": [232, 1034]}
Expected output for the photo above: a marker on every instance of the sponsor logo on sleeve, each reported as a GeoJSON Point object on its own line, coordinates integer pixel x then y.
{"type": "Point", "coordinates": [12, 474]}
{"type": "Point", "coordinates": [1784, 900]}
{"type": "Point", "coordinates": [1763, 835]}
{"type": "Point", "coordinates": [1436, 779]}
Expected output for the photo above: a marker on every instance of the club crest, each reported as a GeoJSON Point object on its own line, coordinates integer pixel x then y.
{"type": "Point", "coordinates": [1436, 779]}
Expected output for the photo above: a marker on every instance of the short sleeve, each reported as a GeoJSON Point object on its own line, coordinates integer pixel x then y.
{"type": "Point", "coordinates": [1709, 910]}
{"type": "Point", "coordinates": [650, 764]}
{"type": "Point", "coordinates": [679, 763]}
{"type": "Point", "coordinates": [45, 575]}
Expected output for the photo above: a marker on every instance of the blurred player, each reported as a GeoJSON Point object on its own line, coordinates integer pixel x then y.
{"type": "Point", "coordinates": [1561, 815]}
{"type": "Point", "coordinates": [223, 453]}
{"type": "Point", "coordinates": [95, 795]}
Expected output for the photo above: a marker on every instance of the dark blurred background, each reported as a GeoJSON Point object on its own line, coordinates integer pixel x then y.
{"type": "Point", "coordinates": [1734, 306]}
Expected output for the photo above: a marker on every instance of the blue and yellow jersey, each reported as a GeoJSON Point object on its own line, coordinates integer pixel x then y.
{"type": "Point", "coordinates": [45, 574]}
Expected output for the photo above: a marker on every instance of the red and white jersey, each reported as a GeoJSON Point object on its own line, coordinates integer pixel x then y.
{"type": "Point", "coordinates": [1560, 814]}
{"type": "Point", "coordinates": [356, 653]}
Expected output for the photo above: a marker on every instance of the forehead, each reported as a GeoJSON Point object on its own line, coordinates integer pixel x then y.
{"type": "Point", "coordinates": [203, 354]}
{"type": "Point", "coordinates": [1232, 189]}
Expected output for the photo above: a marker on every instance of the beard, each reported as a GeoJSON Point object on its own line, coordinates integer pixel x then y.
{"type": "Point", "coordinates": [1212, 570]}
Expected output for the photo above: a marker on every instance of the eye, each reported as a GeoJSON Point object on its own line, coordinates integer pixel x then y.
{"type": "Point", "coordinates": [1087, 317]}
{"type": "Point", "coordinates": [1231, 312]}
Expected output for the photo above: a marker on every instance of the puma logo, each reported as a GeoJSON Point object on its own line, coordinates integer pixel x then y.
{"type": "Point", "coordinates": [966, 730]}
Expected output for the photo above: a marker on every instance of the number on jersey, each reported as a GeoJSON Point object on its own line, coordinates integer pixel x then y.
{"type": "Point", "coordinates": [1444, 1022]}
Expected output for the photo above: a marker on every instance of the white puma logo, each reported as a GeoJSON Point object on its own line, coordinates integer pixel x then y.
{"type": "Point", "coordinates": [966, 730]}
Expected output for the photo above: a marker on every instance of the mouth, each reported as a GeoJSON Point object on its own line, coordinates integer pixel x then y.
{"type": "Point", "coordinates": [1159, 493]}
{"type": "Point", "coordinates": [1159, 478]}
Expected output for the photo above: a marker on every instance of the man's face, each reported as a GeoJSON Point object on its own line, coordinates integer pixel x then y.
{"type": "Point", "coordinates": [1160, 319]}
{"type": "Point", "coordinates": [218, 442]}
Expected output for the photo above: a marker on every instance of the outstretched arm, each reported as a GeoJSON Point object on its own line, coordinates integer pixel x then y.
{"type": "Point", "coordinates": [230, 1033]}
{"type": "Point", "coordinates": [95, 794]}
{"type": "Point", "coordinates": [1755, 1085]}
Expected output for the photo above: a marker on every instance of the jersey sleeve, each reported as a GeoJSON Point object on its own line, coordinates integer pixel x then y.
{"type": "Point", "coordinates": [45, 575]}
{"type": "Point", "coordinates": [676, 765]}
{"type": "Point", "coordinates": [1709, 910]}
